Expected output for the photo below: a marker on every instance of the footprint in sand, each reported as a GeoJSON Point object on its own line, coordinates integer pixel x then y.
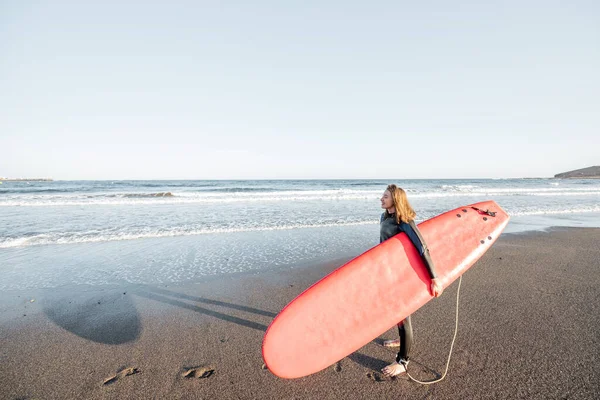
{"type": "Point", "coordinates": [121, 374]}
{"type": "Point", "coordinates": [198, 372]}
{"type": "Point", "coordinates": [375, 377]}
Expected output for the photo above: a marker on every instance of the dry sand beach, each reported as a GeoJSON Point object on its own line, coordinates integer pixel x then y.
{"type": "Point", "coordinates": [528, 328]}
{"type": "Point", "coordinates": [173, 174]}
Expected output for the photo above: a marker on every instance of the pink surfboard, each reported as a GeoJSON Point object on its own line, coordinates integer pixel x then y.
{"type": "Point", "coordinates": [352, 305]}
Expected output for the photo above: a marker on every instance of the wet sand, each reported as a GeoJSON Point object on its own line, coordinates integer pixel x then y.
{"type": "Point", "coordinates": [529, 327]}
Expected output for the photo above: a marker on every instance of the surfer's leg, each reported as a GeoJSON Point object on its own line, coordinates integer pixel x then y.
{"type": "Point", "coordinates": [406, 338]}
{"type": "Point", "coordinates": [396, 342]}
{"type": "Point", "coordinates": [393, 342]}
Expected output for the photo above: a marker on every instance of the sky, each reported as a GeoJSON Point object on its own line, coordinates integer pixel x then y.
{"type": "Point", "coordinates": [298, 89]}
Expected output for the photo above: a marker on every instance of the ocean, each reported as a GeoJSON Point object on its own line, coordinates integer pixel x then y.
{"type": "Point", "coordinates": [62, 233]}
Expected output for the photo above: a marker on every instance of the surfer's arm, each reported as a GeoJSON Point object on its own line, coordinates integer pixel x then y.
{"type": "Point", "coordinates": [436, 285]}
{"type": "Point", "coordinates": [412, 235]}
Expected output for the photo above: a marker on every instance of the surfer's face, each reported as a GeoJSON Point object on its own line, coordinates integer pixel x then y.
{"type": "Point", "coordinates": [386, 200]}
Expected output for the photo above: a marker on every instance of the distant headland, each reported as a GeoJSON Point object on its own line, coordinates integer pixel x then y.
{"type": "Point", "coordinates": [584, 173]}
{"type": "Point", "coordinates": [25, 179]}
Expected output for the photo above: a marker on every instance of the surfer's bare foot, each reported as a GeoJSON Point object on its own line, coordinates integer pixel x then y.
{"type": "Point", "coordinates": [393, 369]}
{"type": "Point", "coordinates": [391, 343]}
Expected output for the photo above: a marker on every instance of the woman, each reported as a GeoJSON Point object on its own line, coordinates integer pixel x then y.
{"type": "Point", "coordinates": [399, 217]}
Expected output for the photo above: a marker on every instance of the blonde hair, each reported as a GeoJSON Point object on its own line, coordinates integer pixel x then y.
{"type": "Point", "coordinates": [404, 211]}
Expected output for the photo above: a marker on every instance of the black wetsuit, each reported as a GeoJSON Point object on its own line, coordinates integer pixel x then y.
{"type": "Point", "coordinates": [388, 228]}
